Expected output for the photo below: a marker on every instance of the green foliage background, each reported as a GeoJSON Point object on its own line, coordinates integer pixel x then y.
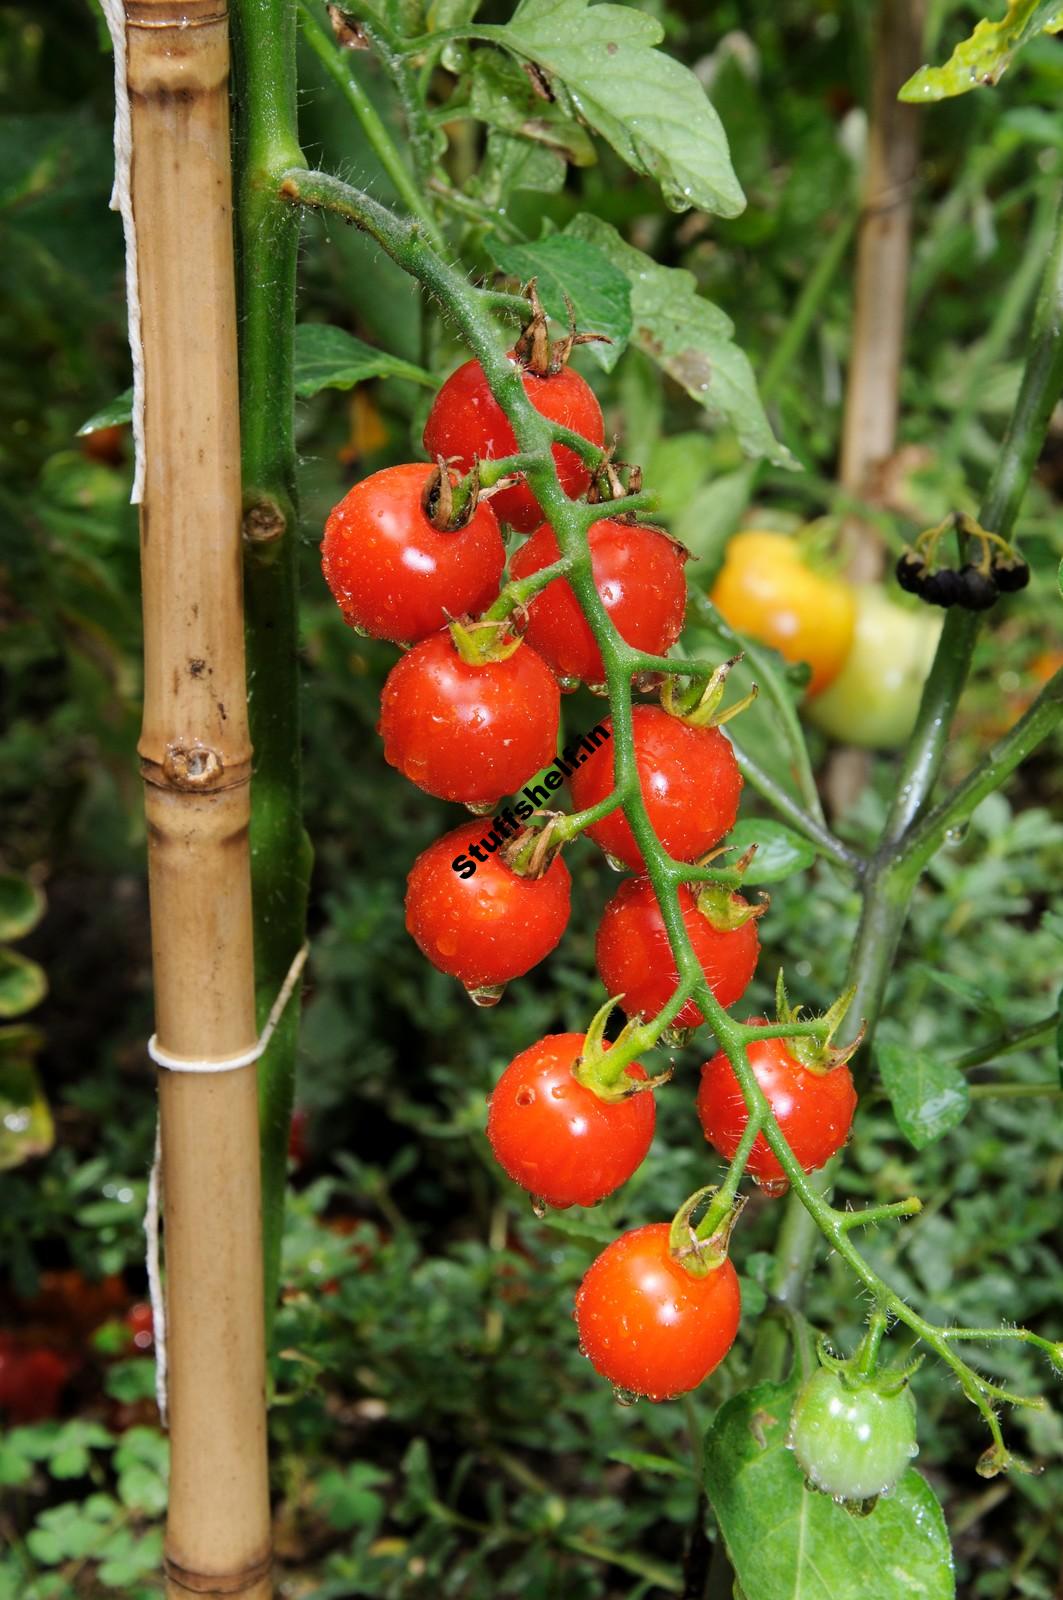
{"type": "Point", "coordinates": [436, 1432]}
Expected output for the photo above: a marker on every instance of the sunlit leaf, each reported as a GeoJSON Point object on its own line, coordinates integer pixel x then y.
{"type": "Point", "coordinates": [984, 57]}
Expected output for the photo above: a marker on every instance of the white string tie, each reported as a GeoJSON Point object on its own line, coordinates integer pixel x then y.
{"type": "Point", "coordinates": [162, 1058]}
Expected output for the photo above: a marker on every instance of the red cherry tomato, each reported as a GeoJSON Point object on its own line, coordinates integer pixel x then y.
{"type": "Point", "coordinates": [469, 733]}
{"type": "Point", "coordinates": [31, 1381]}
{"type": "Point", "coordinates": [396, 576]}
{"type": "Point", "coordinates": [813, 1109]}
{"type": "Point", "coordinates": [638, 573]}
{"type": "Point", "coordinates": [635, 959]}
{"type": "Point", "coordinates": [689, 779]}
{"type": "Point", "coordinates": [649, 1325]}
{"type": "Point", "coordinates": [487, 927]}
{"type": "Point", "coordinates": [557, 1138]}
{"type": "Point", "coordinates": [141, 1324]}
{"type": "Point", "coordinates": [466, 422]}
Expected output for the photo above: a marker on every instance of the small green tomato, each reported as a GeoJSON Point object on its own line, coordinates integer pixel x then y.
{"type": "Point", "coordinates": [853, 1437]}
{"type": "Point", "coordinates": [873, 700]}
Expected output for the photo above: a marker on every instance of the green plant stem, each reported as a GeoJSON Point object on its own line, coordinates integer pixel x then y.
{"type": "Point", "coordinates": [1015, 1091]}
{"type": "Point", "coordinates": [535, 437]}
{"type": "Point", "coordinates": [799, 819]}
{"type": "Point", "coordinates": [1041, 720]}
{"type": "Point", "coordinates": [338, 67]}
{"type": "Point", "coordinates": [1033, 1034]}
{"type": "Point", "coordinates": [267, 247]}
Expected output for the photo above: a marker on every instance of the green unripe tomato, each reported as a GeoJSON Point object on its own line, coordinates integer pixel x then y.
{"type": "Point", "coordinates": [873, 700]}
{"type": "Point", "coordinates": [852, 1437]}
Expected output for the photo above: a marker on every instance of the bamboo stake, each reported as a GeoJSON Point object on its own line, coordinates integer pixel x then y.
{"type": "Point", "coordinates": [869, 431]}
{"type": "Point", "coordinates": [873, 391]}
{"type": "Point", "coordinates": [195, 760]}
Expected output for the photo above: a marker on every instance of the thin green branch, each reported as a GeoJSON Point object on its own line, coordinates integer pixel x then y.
{"type": "Point", "coordinates": [1041, 720]}
{"type": "Point", "coordinates": [339, 69]}
{"type": "Point", "coordinates": [1027, 1038]}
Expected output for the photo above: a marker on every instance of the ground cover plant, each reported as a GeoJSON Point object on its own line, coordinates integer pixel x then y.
{"type": "Point", "coordinates": [562, 412]}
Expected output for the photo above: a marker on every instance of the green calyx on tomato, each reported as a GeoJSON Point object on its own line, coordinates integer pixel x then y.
{"type": "Point", "coordinates": [853, 1434]}
{"type": "Point", "coordinates": [817, 1053]}
{"type": "Point", "coordinates": [602, 1067]}
{"type": "Point", "coordinates": [699, 702]}
{"type": "Point", "coordinates": [703, 1249]}
{"type": "Point", "coordinates": [875, 697]}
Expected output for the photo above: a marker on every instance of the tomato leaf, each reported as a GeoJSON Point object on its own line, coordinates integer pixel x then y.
{"type": "Point", "coordinates": [984, 58]}
{"type": "Point", "coordinates": [780, 851]}
{"type": "Point", "coordinates": [599, 291]}
{"type": "Point", "coordinates": [928, 1096]}
{"type": "Point", "coordinates": [331, 358]}
{"type": "Point", "coordinates": [22, 984]}
{"type": "Point", "coordinates": [501, 94]}
{"type": "Point", "coordinates": [650, 108]}
{"type": "Point", "coordinates": [26, 1127]}
{"type": "Point", "coordinates": [112, 415]}
{"type": "Point", "coordinates": [791, 1543]}
{"type": "Point", "coordinates": [689, 338]}
{"type": "Point", "coordinates": [643, 1461]}
{"type": "Point", "coordinates": [21, 906]}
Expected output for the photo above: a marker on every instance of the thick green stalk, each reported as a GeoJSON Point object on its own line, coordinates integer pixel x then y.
{"type": "Point", "coordinates": [268, 243]}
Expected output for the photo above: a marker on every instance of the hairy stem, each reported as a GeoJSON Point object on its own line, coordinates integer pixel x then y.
{"type": "Point", "coordinates": [268, 243]}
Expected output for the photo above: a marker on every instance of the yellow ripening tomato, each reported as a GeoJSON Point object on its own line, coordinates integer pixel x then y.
{"type": "Point", "coordinates": [874, 699]}
{"type": "Point", "coordinates": [766, 589]}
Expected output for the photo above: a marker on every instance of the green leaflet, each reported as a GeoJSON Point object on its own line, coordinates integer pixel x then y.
{"type": "Point", "coordinates": [928, 1096]}
{"type": "Point", "coordinates": [652, 110]}
{"type": "Point", "coordinates": [598, 290]}
{"type": "Point", "coordinates": [790, 1543]}
{"type": "Point", "coordinates": [984, 58]}
{"type": "Point", "coordinates": [689, 338]}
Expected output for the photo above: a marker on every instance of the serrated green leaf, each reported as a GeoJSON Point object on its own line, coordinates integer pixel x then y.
{"type": "Point", "coordinates": [26, 1127]}
{"type": "Point", "coordinates": [928, 1096]}
{"type": "Point", "coordinates": [984, 58]}
{"type": "Point", "coordinates": [21, 906]}
{"type": "Point", "coordinates": [501, 95]}
{"type": "Point", "coordinates": [331, 358]}
{"type": "Point", "coordinates": [599, 292]}
{"type": "Point", "coordinates": [780, 851]}
{"type": "Point", "coordinates": [689, 338]}
{"type": "Point", "coordinates": [791, 1543]}
{"type": "Point", "coordinates": [650, 108]}
{"type": "Point", "coordinates": [22, 984]}
{"type": "Point", "coordinates": [112, 415]}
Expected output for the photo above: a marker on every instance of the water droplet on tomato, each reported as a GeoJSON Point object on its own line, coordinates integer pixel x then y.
{"type": "Point", "coordinates": [539, 1206]}
{"type": "Point", "coordinates": [485, 994]}
{"type": "Point", "coordinates": [616, 863]}
{"type": "Point", "coordinates": [773, 1187]}
{"type": "Point", "coordinates": [624, 1397]}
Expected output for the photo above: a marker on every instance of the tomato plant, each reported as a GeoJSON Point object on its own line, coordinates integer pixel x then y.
{"type": "Point", "coordinates": [519, 152]}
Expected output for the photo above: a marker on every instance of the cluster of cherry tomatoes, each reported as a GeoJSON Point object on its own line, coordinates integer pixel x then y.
{"type": "Point", "coordinates": [470, 713]}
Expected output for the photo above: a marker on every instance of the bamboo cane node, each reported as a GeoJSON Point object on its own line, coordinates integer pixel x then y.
{"type": "Point", "coordinates": [191, 766]}
{"type": "Point", "coordinates": [174, 13]}
{"type": "Point", "coordinates": [230, 1583]}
